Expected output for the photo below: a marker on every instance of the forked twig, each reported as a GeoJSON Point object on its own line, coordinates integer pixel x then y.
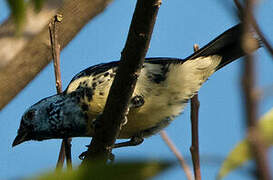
{"type": "Point", "coordinates": [178, 155]}
{"type": "Point", "coordinates": [65, 150]}
{"type": "Point", "coordinates": [194, 129]}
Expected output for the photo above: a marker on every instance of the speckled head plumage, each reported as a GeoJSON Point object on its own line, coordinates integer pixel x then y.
{"type": "Point", "coordinates": [57, 116]}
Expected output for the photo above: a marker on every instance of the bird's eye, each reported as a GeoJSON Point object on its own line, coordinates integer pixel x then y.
{"type": "Point", "coordinates": [30, 114]}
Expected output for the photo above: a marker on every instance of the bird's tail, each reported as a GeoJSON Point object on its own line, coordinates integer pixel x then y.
{"type": "Point", "coordinates": [227, 45]}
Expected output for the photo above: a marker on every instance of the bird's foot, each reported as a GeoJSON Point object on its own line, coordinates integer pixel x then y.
{"type": "Point", "coordinates": [134, 141]}
{"type": "Point", "coordinates": [111, 156]}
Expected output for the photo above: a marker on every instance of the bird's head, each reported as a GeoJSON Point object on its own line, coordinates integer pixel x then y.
{"type": "Point", "coordinates": [58, 116]}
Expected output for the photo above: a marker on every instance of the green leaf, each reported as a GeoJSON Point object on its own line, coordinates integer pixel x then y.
{"type": "Point", "coordinates": [242, 153]}
{"type": "Point", "coordinates": [38, 4]}
{"type": "Point", "coordinates": [18, 11]}
{"type": "Point", "coordinates": [117, 171]}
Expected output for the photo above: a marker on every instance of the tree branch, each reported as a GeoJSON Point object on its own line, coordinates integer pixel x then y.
{"type": "Point", "coordinates": [33, 48]}
{"type": "Point", "coordinates": [178, 155]}
{"type": "Point", "coordinates": [256, 142]}
{"type": "Point", "coordinates": [67, 149]}
{"type": "Point", "coordinates": [132, 58]}
{"type": "Point", "coordinates": [194, 129]}
{"type": "Point", "coordinates": [55, 49]}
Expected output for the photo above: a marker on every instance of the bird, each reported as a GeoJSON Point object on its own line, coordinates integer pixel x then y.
{"type": "Point", "coordinates": [163, 89]}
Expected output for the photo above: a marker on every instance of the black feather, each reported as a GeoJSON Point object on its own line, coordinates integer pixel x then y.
{"type": "Point", "coordinates": [227, 45]}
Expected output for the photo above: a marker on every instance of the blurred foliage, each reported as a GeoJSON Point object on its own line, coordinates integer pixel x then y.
{"type": "Point", "coordinates": [38, 4]}
{"type": "Point", "coordinates": [242, 152]}
{"type": "Point", "coordinates": [117, 171]}
{"type": "Point", "coordinates": [18, 11]}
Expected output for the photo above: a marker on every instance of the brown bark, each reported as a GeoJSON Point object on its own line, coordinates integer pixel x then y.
{"type": "Point", "coordinates": [195, 132]}
{"type": "Point", "coordinates": [29, 54]}
{"type": "Point", "coordinates": [257, 145]}
{"type": "Point", "coordinates": [132, 58]}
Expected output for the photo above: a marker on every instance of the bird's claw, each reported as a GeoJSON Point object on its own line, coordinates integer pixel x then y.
{"type": "Point", "coordinates": [82, 155]}
{"type": "Point", "coordinates": [111, 156]}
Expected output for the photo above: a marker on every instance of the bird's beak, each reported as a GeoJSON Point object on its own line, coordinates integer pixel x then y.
{"type": "Point", "coordinates": [21, 137]}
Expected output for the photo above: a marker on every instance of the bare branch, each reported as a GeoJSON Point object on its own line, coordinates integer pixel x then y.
{"type": "Point", "coordinates": [194, 129]}
{"type": "Point", "coordinates": [258, 148]}
{"type": "Point", "coordinates": [178, 155]}
{"type": "Point", "coordinates": [67, 150]}
{"type": "Point", "coordinates": [55, 48]}
{"type": "Point", "coordinates": [132, 58]}
{"type": "Point", "coordinates": [61, 157]}
{"type": "Point", "coordinates": [35, 52]}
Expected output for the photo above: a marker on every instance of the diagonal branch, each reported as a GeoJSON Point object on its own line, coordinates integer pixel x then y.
{"type": "Point", "coordinates": [178, 155]}
{"type": "Point", "coordinates": [22, 65]}
{"type": "Point", "coordinates": [132, 58]}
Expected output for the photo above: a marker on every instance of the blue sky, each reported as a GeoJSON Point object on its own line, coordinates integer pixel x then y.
{"type": "Point", "coordinates": [179, 25]}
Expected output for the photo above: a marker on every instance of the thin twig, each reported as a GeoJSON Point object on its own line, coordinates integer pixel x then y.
{"type": "Point", "coordinates": [239, 7]}
{"type": "Point", "coordinates": [61, 157]}
{"type": "Point", "coordinates": [194, 130]}
{"type": "Point", "coordinates": [55, 47]}
{"type": "Point", "coordinates": [31, 48]}
{"type": "Point", "coordinates": [67, 144]}
{"type": "Point", "coordinates": [65, 151]}
{"type": "Point", "coordinates": [132, 58]}
{"type": "Point", "coordinates": [255, 26]}
{"type": "Point", "coordinates": [258, 148]}
{"type": "Point", "coordinates": [195, 138]}
{"type": "Point", "coordinates": [178, 155]}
